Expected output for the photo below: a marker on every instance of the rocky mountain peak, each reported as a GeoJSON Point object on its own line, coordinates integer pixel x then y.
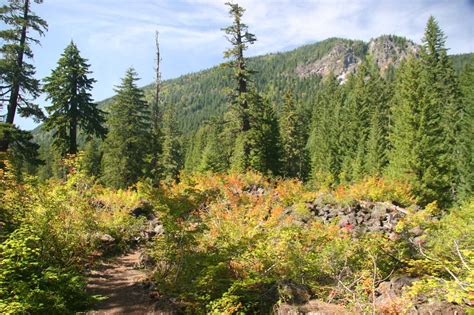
{"type": "Point", "coordinates": [341, 60]}
{"type": "Point", "coordinates": [345, 56]}
{"type": "Point", "coordinates": [390, 50]}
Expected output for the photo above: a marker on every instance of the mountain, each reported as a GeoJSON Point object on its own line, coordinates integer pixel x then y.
{"type": "Point", "coordinates": [201, 95]}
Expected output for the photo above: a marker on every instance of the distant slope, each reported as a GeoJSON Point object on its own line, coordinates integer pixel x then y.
{"type": "Point", "coordinates": [199, 96]}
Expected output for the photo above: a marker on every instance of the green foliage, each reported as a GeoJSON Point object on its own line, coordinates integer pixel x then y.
{"type": "Point", "coordinates": [240, 251]}
{"type": "Point", "coordinates": [445, 257]}
{"type": "Point", "coordinates": [426, 122]}
{"type": "Point", "coordinates": [91, 158]}
{"type": "Point", "coordinates": [293, 137]}
{"type": "Point", "coordinates": [125, 147]}
{"type": "Point", "coordinates": [68, 89]}
{"type": "Point", "coordinates": [51, 233]}
{"type": "Point", "coordinates": [214, 156]}
{"type": "Point", "coordinates": [22, 151]}
{"type": "Point", "coordinates": [263, 138]}
{"type": "Point", "coordinates": [19, 86]}
{"type": "Point", "coordinates": [170, 160]}
{"type": "Point", "coordinates": [466, 161]}
{"type": "Point", "coordinates": [30, 284]}
{"type": "Point", "coordinates": [324, 143]}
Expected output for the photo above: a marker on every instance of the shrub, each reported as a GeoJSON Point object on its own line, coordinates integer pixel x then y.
{"type": "Point", "coordinates": [29, 284]}
{"type": "Point", "coordinates": [376, 189]}
{"type": "Point", "coordinates": [51, 233]}
{"type": "Point", "coordinates": [445, 259]}
{"type": "Point", "coordinates": [250, 237]}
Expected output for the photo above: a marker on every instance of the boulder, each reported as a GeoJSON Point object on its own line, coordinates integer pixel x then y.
{"type": "Point", "coordinates": [416, 231]}
{"type": "Point", "coordinates": [106, 242]}
{"type": "Point", "coordinates": [106, 239]}
{"type": "Point", "coordinates": [294, 293]}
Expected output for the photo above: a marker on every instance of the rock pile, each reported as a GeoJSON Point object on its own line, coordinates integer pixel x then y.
{"type": "Point", "coordinates": [361, 217]}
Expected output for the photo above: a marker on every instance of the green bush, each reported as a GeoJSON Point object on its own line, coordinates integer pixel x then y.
{"type": "Point", "coordinates": [29, 284]}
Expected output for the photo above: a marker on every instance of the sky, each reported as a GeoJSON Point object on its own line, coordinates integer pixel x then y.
{"type": "Point", "coordinates": [117, 34]}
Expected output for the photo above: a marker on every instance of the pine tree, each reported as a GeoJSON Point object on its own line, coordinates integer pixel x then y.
{"type": "Point", "coordinates": [92, 158]}
{"type": "Point", "coordinates": [127, 142]}
{"type": "Point", "coordinates": [240, 38]}
{"type": "Point", "coordinates": [22, 152]}
{"type": "Point", "coordinates": [213, 155]}
{"type": "Point", "coordinates": [428, 108]}
{"type": "Point", "coordinates": [466, 160]}
{"type": "Point", "coordinates": [324, 142]}
{"type": "Point", "coordinates": [418, 152]}
{"type": "Point", "coordinates": [170, 159]}
{"type": "Point", "coordinates": [17, 84]}
{"type": "Point", "coordinates": [263, 136]}
{"type": "Point", "coordinates": [293, 138]}
{"type": "Point", "coordinates": [68, 87]}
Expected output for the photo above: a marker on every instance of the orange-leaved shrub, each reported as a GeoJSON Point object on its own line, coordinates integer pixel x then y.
{"type": "Point", "coordinates": [245, 240]}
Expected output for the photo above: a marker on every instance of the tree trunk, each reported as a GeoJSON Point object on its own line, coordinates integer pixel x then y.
{"type": "Point", "coordinates": [73, 122]}
{"type": "Point", "coordinates": [13, 102]}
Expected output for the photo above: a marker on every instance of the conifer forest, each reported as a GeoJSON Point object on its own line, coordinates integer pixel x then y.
{"type": "Point", "coordinates": [336, 177]}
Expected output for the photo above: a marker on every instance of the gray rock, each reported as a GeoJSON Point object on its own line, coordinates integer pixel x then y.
{"type": "Point", "coordinates": [416, 231]}
{"type": "Point", "coordinates": [106, 239]}
{"type": "Point", "coordinates": [294, 293]}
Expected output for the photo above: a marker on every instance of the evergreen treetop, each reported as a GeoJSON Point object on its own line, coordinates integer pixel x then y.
{"type": "Point", "coordinates": [68, 88]}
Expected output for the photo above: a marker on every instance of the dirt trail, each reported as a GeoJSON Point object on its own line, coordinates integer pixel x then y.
{"type": "Point", "coordinates": [123, 285]}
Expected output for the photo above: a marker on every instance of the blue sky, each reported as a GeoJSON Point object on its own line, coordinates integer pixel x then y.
{"type": "Point", "coordinates": [117, 34]}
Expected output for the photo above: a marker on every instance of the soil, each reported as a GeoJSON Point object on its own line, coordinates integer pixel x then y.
{"type": "Point", "coordinates": [123, 286]}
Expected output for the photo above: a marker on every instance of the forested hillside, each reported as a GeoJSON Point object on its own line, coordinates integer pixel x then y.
{"type": "Point", "coordinates": [201, 96]}
{"type": "Point", "coordinates": [336, 178]}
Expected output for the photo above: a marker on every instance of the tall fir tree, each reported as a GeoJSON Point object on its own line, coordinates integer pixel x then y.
{"type": "Point", "coordinates": [213, 154]}
{"type": "Point", "coordinates": [170, 160]}
{"type": "Point", "coordinates": [325, 138]}
{"type": "Point", "coordinates": [377, 145]}
{"type": "Point", "coordinates": [293, 138]}
{"type": "Point", "coordinates": [68, 88]}
{"type": "Point", "coordinates": [427, 107]}
{"type": "Point", "coordinates": [18, 87]}
{"type": "Point", "coordinates": [127, 141]}
{"type": "Point", "coordinates": [364, 132]}
{"type": "Point", "coordinates": [238, 36]}
{"type": "Point", "coordinates": [92, 158]}
{"type": "Point", "coordinates": [418, 152]}
{"type": "Point", "coordinates": [263, 137]}
{"type": "Point", "coordinates": [466, 160]}
{"type": "Point", "coordinates": [444, 91]}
